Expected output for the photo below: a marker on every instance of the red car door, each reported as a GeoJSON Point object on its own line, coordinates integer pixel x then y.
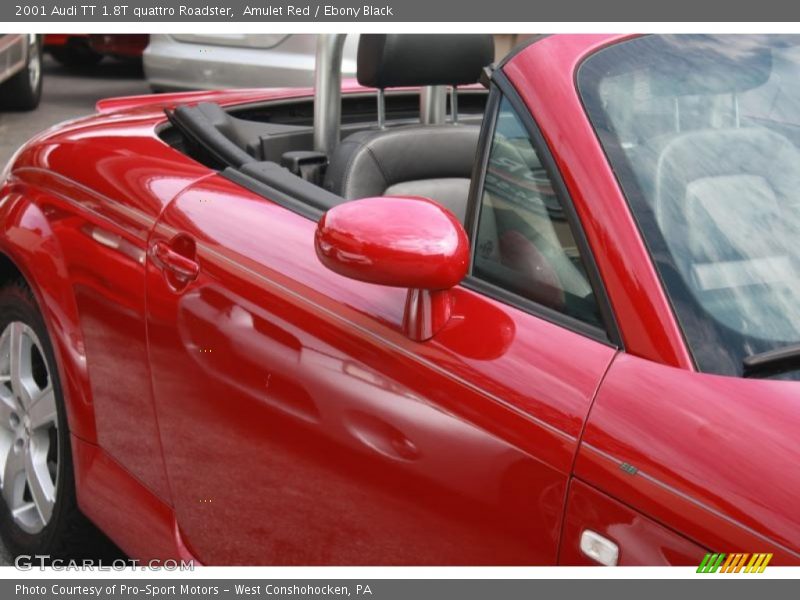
{"type": "Point", "coordinates": [301, 426]}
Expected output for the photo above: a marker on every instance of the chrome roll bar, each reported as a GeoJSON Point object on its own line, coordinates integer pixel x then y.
{"type": "Point", "coordinates": [328, 91]}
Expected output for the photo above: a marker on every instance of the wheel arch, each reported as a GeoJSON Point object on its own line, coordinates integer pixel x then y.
{"type": "Point", "coordinates": [30, 252]}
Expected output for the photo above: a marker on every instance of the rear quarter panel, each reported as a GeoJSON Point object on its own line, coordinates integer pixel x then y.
{"type": "Point", "coordinates": [76, 200]}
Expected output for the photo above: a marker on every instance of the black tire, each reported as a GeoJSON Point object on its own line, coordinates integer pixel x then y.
{"type": "Point", "coordinates": [75, 55]}
{"type": "Point", "coordinates": [68, 534]}
{"type": "Point", "coordinates": [24, 90]}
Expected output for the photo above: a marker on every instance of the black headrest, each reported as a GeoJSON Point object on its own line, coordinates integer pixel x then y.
{"type": "Point", "coordinates": [396, 59]}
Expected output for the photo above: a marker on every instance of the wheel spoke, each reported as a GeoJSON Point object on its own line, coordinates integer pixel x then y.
{"type": "Point", "coordinates": [42, 411]}
{"type": "Point", "coordinates": [5, 355]}
{"type": "Point", "coordinates": [42, 489]}
{"type": "Point", "coordinates": [19, 359]}
{"type": "Point", "coordinates": [20, 511]}
{"type": "Point", "coordinates": [7, 408]}
{"type": "Point", "coordinates": [15, 465]}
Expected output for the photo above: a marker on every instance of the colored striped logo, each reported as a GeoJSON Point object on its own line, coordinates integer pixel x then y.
{"type": "Point", "coordinates": [733, 563]}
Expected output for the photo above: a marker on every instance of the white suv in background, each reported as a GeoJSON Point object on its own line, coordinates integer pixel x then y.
{"type": "Point", "coordinates": [215, 61]}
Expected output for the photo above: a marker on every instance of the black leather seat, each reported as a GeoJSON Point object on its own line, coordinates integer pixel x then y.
{"type": "Point", "coordinates": [434, 161]}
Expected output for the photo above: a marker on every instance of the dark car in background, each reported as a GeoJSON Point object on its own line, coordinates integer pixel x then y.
{"type": "Point", "coordinates": [83, 49]}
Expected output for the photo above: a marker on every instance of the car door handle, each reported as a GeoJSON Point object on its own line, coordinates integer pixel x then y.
{"type": "Point", "coordinates": [183, 269]}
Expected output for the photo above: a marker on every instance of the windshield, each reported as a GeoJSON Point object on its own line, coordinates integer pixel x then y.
{"type": "Point", "coordinates": [703, 134]}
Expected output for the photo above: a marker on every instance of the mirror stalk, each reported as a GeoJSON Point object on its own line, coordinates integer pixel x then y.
{"type": "Point", "coordinates": [426, 312]}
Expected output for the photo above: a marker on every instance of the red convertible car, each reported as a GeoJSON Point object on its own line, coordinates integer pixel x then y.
{"type": "Point", "coordinates": [552, 319]}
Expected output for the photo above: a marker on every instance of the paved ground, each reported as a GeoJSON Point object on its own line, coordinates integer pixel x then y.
{"type": "Point", "coordinates": [67, 94]}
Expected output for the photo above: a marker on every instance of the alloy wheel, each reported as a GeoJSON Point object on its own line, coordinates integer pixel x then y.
{"type": "Point", "coordinates": [29, 444]}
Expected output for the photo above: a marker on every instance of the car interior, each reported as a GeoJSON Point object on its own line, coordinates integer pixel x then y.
{"type": "Point", "coordinates": [384, 150]}
{"type": "Point", "coordinates": [388, 148]}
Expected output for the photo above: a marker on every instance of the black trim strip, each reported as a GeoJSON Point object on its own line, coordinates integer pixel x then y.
{"type": "Point", "coordinates": [270, 193]}
{"type": "Point", "coordinates": [481, 163]}
{"type": "Point", "coordinates": [538, 310]}
{"type": "Point", "coordinates": [221, 149]}
{"type": "Point", "coordinates": [503, 88]}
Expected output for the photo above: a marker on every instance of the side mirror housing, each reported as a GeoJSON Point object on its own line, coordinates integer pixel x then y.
{"type": "Point", "coordinates": [403, 242]}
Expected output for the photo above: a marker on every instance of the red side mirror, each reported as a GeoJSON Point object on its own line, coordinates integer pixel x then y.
{"type": "Point", "coordinates": [402, 242]}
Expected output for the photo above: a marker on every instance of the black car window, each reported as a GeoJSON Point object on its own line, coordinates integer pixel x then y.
{"type": "Point", "coordinates": [524, 242]}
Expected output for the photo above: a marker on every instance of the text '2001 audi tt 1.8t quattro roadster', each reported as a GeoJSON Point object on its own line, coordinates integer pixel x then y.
{"type": "Point", "coordinates": [549, 319]}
